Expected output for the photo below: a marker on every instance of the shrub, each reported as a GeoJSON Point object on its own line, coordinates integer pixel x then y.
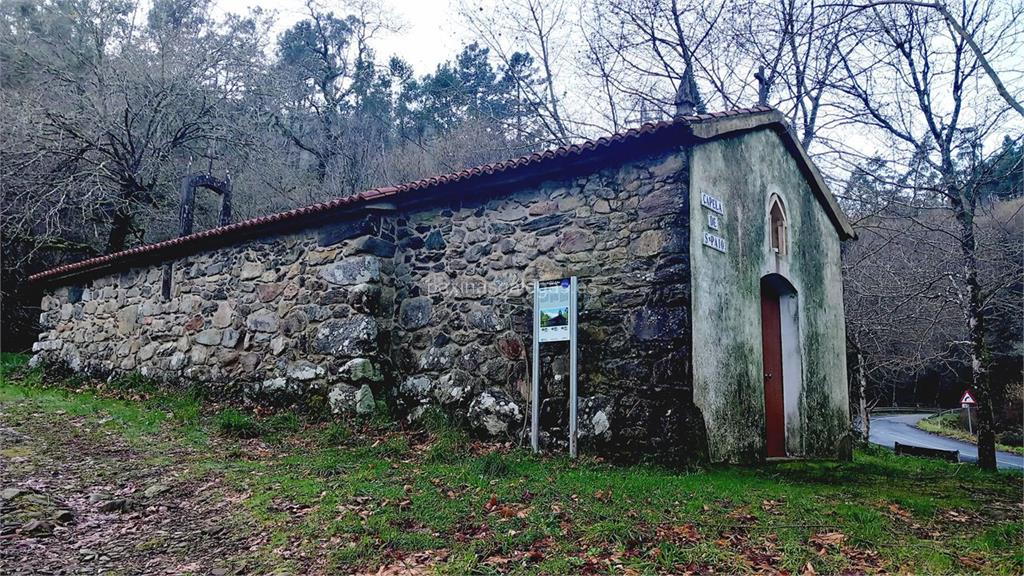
{"type": "Point", "coordinates": [232, 422]}
{"type": "Point", "coordinates": [1012, 438]}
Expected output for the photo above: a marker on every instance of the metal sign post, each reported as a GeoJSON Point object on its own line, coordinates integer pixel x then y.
{"type": "Point", "coordinates": [535, 387]}
{"type": "Point", "coordinates": [966, 402]}
{"type": "Point", "coordinates": [572, 367]}
{"type": "Point", "coordinates": [554, 320]}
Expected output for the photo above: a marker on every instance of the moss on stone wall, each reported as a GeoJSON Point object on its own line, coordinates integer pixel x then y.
{"type": "Point", "coordinates": [744, 172]}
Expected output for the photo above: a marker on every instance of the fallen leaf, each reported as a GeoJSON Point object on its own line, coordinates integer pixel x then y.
{"type": "Point", "coordinates": [862, 561]}
{"type": "Point", "coordinates": [742, 515]}
{"type": "Point", "coordinates": [973, 561]}
{"type": "Point", "coordinates": [685, 533]}
{"type": "Point", "coordinates": [825, 540]}
{"type": "Point", "coordinates": [900, 512]}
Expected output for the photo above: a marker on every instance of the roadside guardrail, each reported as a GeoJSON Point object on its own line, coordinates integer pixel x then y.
{"type": "Point", "coordinates": [905, 449]}
{"type": "Point", "coordinates": [906, 410]}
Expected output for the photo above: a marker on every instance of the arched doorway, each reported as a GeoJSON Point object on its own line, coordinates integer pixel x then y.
{"type": "Point", "coordinates": [780, 353]}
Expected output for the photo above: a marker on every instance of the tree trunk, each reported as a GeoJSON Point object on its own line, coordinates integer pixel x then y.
{"type": "Point", "coordinates": [860, 388]}
{"type": "Point", "coordinates": [975, 316]}
{"type": "Point", "coordinates": [120, 227]}
{"type": "Point", "coordinates": [862, 400]}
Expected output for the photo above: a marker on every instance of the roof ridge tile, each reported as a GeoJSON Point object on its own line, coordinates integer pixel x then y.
{"type": "Point", "coordinates": [563, 151]}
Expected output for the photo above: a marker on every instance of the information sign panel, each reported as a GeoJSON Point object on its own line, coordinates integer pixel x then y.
{"type": "Point", "coordinates": [554, 320]}
{"type": "Point", "coordinates": [554, 302]}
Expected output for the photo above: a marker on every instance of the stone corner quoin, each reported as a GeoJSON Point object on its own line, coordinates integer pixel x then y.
{"type": "Point", "coordinates": [430, 306]}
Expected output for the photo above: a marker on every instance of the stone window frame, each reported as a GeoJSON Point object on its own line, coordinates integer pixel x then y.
{"type": "Point", "coordinates": [778, 226]}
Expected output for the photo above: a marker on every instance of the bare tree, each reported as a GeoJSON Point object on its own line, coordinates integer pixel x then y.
{"type": "Point", "coordinates": [326, 67]}
{"type": "Point", "coordinates": [916, 82]}
{"type": "Point", "coordinates": [965, 34]}
{"type": "Point", "coordinates": [902, 288]}
{"type": "Point", "coordinates": [661, 51]}
{"type": "Point", "coordinates": [794, 49]}
{"type": "Point", "coordinates": [120, 104]}
{"type": "Point", "coordinates": [538, 28]}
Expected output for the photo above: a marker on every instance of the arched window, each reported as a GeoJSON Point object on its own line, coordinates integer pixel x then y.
{"type": "Point", "coordinates": [778, 226]}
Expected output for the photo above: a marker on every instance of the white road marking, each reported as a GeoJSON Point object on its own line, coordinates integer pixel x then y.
{"type": "Point", "coordinates": [891, 428]}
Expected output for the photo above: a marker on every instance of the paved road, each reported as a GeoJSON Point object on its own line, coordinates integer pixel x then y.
{"type": "Point", "coordinates": [888, 429]}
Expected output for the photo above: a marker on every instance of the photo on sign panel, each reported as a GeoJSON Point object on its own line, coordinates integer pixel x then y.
{"type": "Point", "coordinates": [553, 303]}
{"type": "Point", "coordinates": [551, 317]}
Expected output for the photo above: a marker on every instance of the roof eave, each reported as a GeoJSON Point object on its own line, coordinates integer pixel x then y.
{"type": "Point", "coordinates": [495, 176]}
{"type": "Point", "coordinates": [810, 170]}
{"type": "Point", "coordinates": [775, 120]}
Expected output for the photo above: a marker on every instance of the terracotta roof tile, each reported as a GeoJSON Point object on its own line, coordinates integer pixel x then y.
{"type": "Point", "coordinates": [388, 191]}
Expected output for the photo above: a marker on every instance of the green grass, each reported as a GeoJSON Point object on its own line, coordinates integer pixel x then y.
{"type": "Point", "coordinates": [493, 465]}
{"type": "Point", "coordinates": [361, 495]}
{"type": "Point", "coordinates": [449, 440]}
{"type": "Point", "coordinates": [334, 434]}
{"type": "Point", "coordinates": [10, 361]}
{"type": "Point", "coordinates": [133, 382]}
{"type": "Point", "coordinates": [948, 425]}
{"type": "Point", "coordinates": [235, 423]}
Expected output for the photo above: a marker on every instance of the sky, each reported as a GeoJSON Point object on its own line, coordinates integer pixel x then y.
{"type": "Point", "coordinates": [429, 35]}
{"type": "Point", "coordinates": [431, 32]}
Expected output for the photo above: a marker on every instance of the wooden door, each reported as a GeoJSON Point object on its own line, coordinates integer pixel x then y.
{"type": "Point", "coordinates": [771, 347]}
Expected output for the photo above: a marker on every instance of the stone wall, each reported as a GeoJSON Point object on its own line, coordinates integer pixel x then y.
{"type": "Point", "coordinates": [462, 332]}
{"type": "Point", "coordinates": [427, 307]}
{"type": "Point", "coordinates": [288, 319]}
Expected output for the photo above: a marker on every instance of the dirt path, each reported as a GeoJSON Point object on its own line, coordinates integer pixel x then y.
{"type": "Point", "coordinates": [80, 500]}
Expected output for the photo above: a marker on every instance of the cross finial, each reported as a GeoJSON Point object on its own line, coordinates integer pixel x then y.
{"type": "Point", "coordinates": [762, 87]}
